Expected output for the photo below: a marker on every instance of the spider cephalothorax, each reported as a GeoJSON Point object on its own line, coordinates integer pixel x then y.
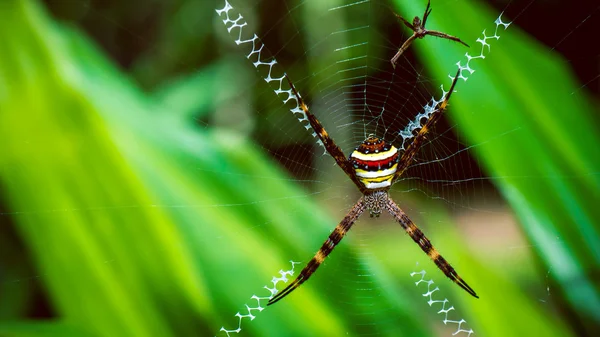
{"type": "Point", "coordinates": [376, 202]}
{"type": "Point", "coordinates": [373, 167]}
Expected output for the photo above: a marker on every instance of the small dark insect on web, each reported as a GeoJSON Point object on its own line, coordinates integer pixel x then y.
{"type": "Point", "coordinates": [419, 32]}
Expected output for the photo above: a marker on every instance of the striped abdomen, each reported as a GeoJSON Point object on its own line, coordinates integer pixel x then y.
{"type": "Point", "coordinates": [375, 163]}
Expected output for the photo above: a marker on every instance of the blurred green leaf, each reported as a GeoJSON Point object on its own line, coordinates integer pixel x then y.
{"type": "Point", "coordinates": [45, 329]}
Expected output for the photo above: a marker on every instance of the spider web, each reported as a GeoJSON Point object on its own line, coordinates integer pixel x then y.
{"type": "Point", "coordinates": [354, 92]}
{"type": "Point", "coordinates": [337, 53]}
{"type": "Point", "coordinates": [373, 100]}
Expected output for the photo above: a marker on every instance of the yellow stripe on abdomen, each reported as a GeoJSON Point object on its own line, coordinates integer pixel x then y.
{"type": "Point", "coordinates": [375, 163]}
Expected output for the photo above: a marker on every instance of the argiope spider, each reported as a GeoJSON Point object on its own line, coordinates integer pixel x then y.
{"type": "Point", "coordinates": [373, 167]}
{"type": "Point", "coordinates": [418, 27]}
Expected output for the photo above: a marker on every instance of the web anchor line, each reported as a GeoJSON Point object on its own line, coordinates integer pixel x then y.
{"type": "Point", "coordinates": [258, 54]}
{"type": "Point", "coordinates": [460, 324]}
{"type": "Point", "coordinates": [283, 277]}
{"type": "Point", "coordinates": [413, 126]}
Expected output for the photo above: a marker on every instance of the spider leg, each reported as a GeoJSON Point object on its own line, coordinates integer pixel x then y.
{"type": "Point", "coordinates": [445, 36]}
{"type": "Point", "coordinates": [419, 31]}
{"type": "Point", "coordinates": [402, 49]}
{"type": "Point", "coordinates": [330, 145]}
{"type": "Point", "coordinates": [426, 14]}
{"type": "Point", "coordinates": [406, 23]}
{"type": "Point", "coordinates": [417, 235]}
{"type": "Point", "coordinates": [334, 238]}
{"type": "Point", "coordinates": [411, 150]}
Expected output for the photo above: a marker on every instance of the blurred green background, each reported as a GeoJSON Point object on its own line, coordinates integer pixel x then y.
{"type": "Point", "coordinates": [141, 195]}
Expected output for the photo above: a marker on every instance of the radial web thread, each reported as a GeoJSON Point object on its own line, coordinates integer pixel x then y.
{"type": "Point", "coordinates": [428, 109]}
{"type": "Point", "coordinates": [445, 310]}
{"type": "Point", "coordinates": [275, 76]}
{"type": "Point", "coordinates": [257, 305]}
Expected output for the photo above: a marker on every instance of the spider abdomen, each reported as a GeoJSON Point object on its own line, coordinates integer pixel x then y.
{"type": "Point", "coordinates": [375, 163]}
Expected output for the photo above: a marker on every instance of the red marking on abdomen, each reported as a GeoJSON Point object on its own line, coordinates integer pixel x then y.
{"type": "Point", "coordinates": [374, 165]}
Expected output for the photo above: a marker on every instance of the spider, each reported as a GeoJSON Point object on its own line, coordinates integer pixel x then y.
{"type": "Point", "coordinates": [418, 27]}
{"type": "Point", "coordinates": [373, 167]}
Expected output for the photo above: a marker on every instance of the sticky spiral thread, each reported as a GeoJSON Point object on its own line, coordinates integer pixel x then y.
{"type": "Point", "coordinates": [258, 55]}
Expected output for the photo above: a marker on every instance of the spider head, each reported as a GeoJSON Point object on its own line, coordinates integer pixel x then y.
{"type": "Point", "coordinates": [375, 163]}
{"type": "Point", "coordinates": [376, 202]}
{"type": "Point", "coordinates": [416, 22]}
